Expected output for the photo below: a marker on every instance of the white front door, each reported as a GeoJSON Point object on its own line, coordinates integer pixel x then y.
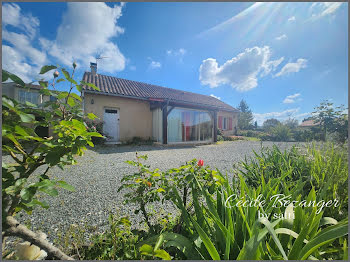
{"type": "Point", "coordinates": [111, 125]}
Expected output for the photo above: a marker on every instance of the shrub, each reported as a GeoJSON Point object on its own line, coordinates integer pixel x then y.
{"type": "Point", "coordinates": [220, 138]}
{"type": "Point", "coordinates": [281, 133]}
{"type": "Point", "coordinates": [30, 151]}
{"type": "Point", "coordinates": [96, 126]}
{"type": "Point", "coordinates": [324, 168]}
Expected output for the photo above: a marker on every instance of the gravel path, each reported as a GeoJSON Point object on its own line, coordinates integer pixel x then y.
{"type": "Point", "coordinates": [97, 177]}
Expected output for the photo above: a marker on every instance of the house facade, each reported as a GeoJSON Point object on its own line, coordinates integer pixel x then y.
{"type": "Point", "coordinates": [30, 94]}
{"type": "Point", "coordinates": [134, 109]}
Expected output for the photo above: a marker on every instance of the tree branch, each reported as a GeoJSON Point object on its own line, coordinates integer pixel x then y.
{"type": "Point", "coordinates": [16, 229]}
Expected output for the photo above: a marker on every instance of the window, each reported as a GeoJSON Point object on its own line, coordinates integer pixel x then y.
{"type": "Point", "coordinates": [53, 98]}
{"type": "Point", "coordinates": [189, 125]}
{"type": "Point", "coordinates": [224, 123]}
{"type": "Point", "coordinates": [32, 97]}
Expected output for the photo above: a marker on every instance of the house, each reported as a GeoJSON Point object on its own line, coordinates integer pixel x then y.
{"type": "Point", "coordinates": [29, 94]}
{"type": "Point", "coordinates": [308, 124]}
{"type": "Point", "coordinates": [134, 109]}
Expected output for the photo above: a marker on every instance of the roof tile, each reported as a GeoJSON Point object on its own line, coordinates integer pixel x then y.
{"type": "Point", "coordinates": [119, 86]}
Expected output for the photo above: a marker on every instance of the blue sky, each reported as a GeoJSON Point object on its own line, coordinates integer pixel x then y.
{"type": "Point", "coordinates": [282, 58]}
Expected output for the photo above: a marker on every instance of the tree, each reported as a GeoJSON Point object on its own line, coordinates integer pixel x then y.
{"type": "Point", "coordinates": [332, 119]}
{"type": "Point", "coordinates": [256, 124]}
{"type": "Point", "coordinates": [292, 123]}
{"type": "Point", "coordinates": [245, 118]}
{"type": "Point", "coordinates": [271, 122]}
{"type": "Point", "coordinates": [21, 180]}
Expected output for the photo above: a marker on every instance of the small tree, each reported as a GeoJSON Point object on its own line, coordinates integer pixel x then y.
{"type": "Point", "coordinates": [245, 118]}
{"type": "Point", "coordinates": [29, 151]}
{"type": "Point", "coordinates": [269, 123]}
{"type": "Point", "coordinates": [292, 123]}
{"type": "Point", "coordinates": [332, 119]}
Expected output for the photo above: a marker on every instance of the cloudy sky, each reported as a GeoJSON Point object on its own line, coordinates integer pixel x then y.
{"type": "Point", "coordinates": [282, 58]}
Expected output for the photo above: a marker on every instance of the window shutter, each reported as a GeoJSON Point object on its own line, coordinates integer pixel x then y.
{"type": "Point", "coordinates": [230, 123]}
{"type": "Point", "coordinates": [220, 122]}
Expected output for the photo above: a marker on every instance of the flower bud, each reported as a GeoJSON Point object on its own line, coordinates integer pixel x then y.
{"type": "Point", "coordinates": [56, 74]}
{"type": "Point", "coordinates": [74, 65]}
{"type": "Point", "coordinates": [200, 162]}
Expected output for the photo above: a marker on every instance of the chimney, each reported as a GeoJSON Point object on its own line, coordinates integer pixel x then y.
{"type": "Point", "coordinates": [93, 67]}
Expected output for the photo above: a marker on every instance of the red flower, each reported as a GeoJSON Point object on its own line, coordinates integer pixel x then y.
{"type": "Point", "coordinates": [200, 162]}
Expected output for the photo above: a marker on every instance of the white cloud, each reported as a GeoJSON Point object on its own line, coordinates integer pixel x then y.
{"type": "Point", "coordinates": [179, 52]}
{"type": "Point", "coordinates": [19, 56]}
{"type": "Point", "coordinates": [281, 116]}
{"type": "Point", "coordinates": [132, 68]}
{"type": "Point", "coordinates": [323, 9]}
{"type": "Point", "coordinates": [292, 18]}
{"type": "Point", "coordinates": [244, 13]}
{"type": "Point", "coordinates": [241, 72]}
{"type": "Point", "coordinates": [284, 36]}
{"type": "Point", "coordinates": [291, 98]}
{"type": "Point", "coordinates": [154, 65]}
{"type": "Point", "coordinates": [292, 67]}
{"type": "Point", "coordinates": [87, 30]}
{"type": "Point", "coordinates": [23, 46]}
{"type": "Point", "coordinates": [217, 97]}
{"type": "Point", "coordinates": [14, 62]}
{"type": "Point", "coordinates": [11, 15]}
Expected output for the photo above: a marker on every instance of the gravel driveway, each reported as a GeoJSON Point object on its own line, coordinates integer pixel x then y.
{"type": "Point", "coordinates": [97, 176]}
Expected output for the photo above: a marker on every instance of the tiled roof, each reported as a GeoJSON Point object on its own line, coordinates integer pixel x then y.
{"type": "Point", "coordinates": [109, 85]}
{"type": "Point", "coordinates": [308, 123]}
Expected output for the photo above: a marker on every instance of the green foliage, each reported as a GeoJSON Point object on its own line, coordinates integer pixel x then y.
{"type": "Point", "coordinates": [144, 187]}
{"type": "Point", "coordinates": [332, 120]}
{"type": "Point", "coordinates": [281, 133]}
{"type": "Point", "coordinates": [95, 125]}
{"type": "Point", "coordinates": [29, 151]}
{"type": "Point", "coordinates": [245, 118]}
{"type": "Point", "coordinates": [220, 138]}
{"type": "Point", "coordinates": [118, 242]}
{"type": "Point", "coordinates": [324, 168]}
{"type": "Point", "coordinates": [269, 123]}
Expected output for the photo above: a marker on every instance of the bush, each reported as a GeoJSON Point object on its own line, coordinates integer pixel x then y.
{"type": "Point", "coordinates": [256, 133]}
{"type": "Point", "coordinates": [96, 126]}
{"type": "Point", "coordinates": [220, 138]}
{"type": "Point", "coordinates": [281, 133]}
{"type": "Point", "coordinates": [233, 138]}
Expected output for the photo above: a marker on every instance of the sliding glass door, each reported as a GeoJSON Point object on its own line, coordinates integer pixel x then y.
{"type": "Point", "coordinates": [186, 125]}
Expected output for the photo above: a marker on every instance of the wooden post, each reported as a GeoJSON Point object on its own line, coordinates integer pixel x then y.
{"type": "Point", "coordinates": [215, 127]}
{"type": "Point", "coordinates": [165, 124]}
